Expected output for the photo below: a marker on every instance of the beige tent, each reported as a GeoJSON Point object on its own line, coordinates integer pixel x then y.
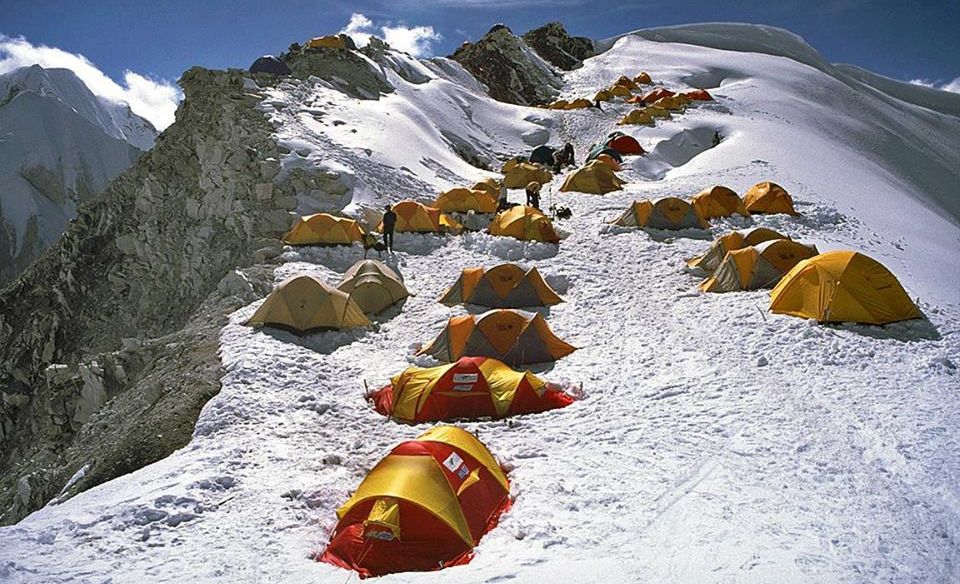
{"type": "Point", "coordinates": [665, 213]}
{"type": "Point", "coordinates": [596, 178]}
{"type": "Point", "coordinates": [503, 286]}
{"type": "Point", "coordinates": [729, 242]}
{"type": "Point", "coordinates": [517, 175]}
{"type": "Point", "coordinates": [759, 266]}
{"type": "Point", "coordinates": [636, 117]}
{"type": "Point", "coordinates": [373, 286]}
{"type": "Point", "coordinates": [302, 304]}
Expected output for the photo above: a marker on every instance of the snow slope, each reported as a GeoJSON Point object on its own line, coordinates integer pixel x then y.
{"type": "Point", "coordinates": [715, 442]}
{"type": "Point", "coordinates": [59, 145]}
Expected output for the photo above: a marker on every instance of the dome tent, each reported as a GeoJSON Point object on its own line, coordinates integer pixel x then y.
{"type": "Point", "coordinates": [524, 223]}
{"type": "Point", "coordinates": [516, 175]}
{"type": "Point", "coordinates": [323, 229]}
{"type": "Point", "coordinates": [624, 144]}
{"type": "Point", "coordinates": [503, 286]}
{"type": "Point", "coordinates": [542, 155]}
{"type": "Point", "coordinates": [595, 178]}
{"type": "Point", "coordinates": [512, 336]}
{"type": "Point", "coordinates": [718, 201]}
{"type": "Point", "coordinates": [271, 65]}
{"type": "Point", "coordinates": [424, 507]}
{"type": "Point", "coordinates": [665, 213]}
{"type": "Point", "coordinates": [636, 117]}
{"type": "Point", "coordinates": [598, 149]}
{"type": "Point", "coordinates": [698, 95]}
{"type": "Point", "coordinates": [768, 197]}
{"type": "Point", "coordinates": [491, 185]}
{"type": "Point", "coordinates": [729, 242]}
{"type": "Point", "coordinates": [655, 94]}
{"type": "Point", "coordinates": [461, 200]}
{"type": "Point", "coordinates": [373, 286]}
{"type": "Point", "coordinates": [643, 78]}
{"type": "Point", "coordinates": [303, 304]}
{"type": "Point", "coordinates": [414, 217]}
{"type": "Point", "coordinates": [471, 388]}
{"type": "Point", "coordinates": [842, 286]}
{"type": "Point", "coordinates": [757, 266]}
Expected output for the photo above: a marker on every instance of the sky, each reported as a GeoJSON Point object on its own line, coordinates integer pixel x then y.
{"type": "Point", "coordinates": [136, 50]}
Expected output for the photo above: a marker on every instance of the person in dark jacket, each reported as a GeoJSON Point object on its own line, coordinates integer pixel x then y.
{"type": "Point", "coordinates": [389, 223]}
{"type": "Point", "coordinates": [533, 194]}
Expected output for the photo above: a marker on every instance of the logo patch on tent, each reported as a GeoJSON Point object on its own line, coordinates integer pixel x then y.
{"type": "Point", "coordinates": [465, 377]}
{"type": "Point", "coordinates": [453, 462]}
{"type": "Point", "coordinates": [463, 472]}
{"type": "Point", "coordinates": [462, 388]}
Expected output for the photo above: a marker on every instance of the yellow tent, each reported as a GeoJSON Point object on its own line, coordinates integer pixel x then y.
{"type": "Point", "coordinates": [595, 178]}
{"type": "Point", "coordinates": [524, 223]}
{"type": "Point", "coordinates": [638, 117]}
{"type": "Point", "coordinates": [329, 42]}
{"type": "Point", "coordinates": [665, 213]}
{"type": "Point", "coordinates": [503, 286]}
{"type": "Point", "coordinates": [491, 185]}
{"type": "Point", "coordinates": [580, 103]}
{"type": "Point", "coordinates": [619, 91]}
{"type": "Point", "coordinates": [755, 267]}
{"type": "Point", "coordinates": [643, 78]}
{"type": "Point", "coordinates": [323, 229]}
{"type": "Point", "coordinates": [768, 197]}
{"type": "Point", "coordinates": [718, 201]}
{"type": "Point", "coordinates": [303, 304]}
{"type": "Point", "coordinates": [657, 112]}
{"type": "Point", "coordinates": [418, 218]}
{"type": "Point", "coordinates": [729, 242]}
{"type": "Point", "coordinates": [560, 104]}
{"type": "Point", "coordinates": [670, 103]}
{"type": "Point", "coordinates": [842, 286]}
{"type": "Point", "coordinates": [512, 336]}
{"type": "Point", "coordinates": [373, 286]}
{"type": "Point", "coordinates": [517, 175]}
{"type": "Point", "coordinates": [602, 95]}
{"type": "Point", "coordinates": [625, 81]}
{"type": "Point", "coordinates": [461, 200]}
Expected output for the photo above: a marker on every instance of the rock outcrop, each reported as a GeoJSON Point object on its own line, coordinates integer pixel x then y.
{"type": "Point", "coordinates": [344, 69]}
{"type": "Point", "coordinates": [558, 48]}
{"type": "Point", "coordinates": [512, 71]}
{"type": "Point", "coordinates": [108, 341]}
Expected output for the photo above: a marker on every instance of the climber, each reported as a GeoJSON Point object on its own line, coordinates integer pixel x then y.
{"type": "Point", "coordinates": [389, 222]}
{"type": "Point", "coordinates": [533, 194]}
{"type": "Point", "coordinates": [562, 158]}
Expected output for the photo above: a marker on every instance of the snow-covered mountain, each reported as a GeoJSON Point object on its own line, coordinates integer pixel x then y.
{"type": "Point", "coordinates": [715, 442]}
{"type": "Point", "coordinates": [59, 145]}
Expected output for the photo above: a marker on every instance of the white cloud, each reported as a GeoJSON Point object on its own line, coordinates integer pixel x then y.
{"type": "Point", "coordinates": [951, 86]}
{"type": "Point", "coordinates": [416, 40]}
{"type": "Point", "coordinates": [155, 100]}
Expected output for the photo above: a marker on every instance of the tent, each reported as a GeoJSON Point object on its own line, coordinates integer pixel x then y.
{"type": "Point", "coordinates": [619, 91]}
{"type": "Point", "coordinates": [698, 95]}
{"type": "Point", "coordinates": [729, 242]}
{"type": "Point", "coordinates": [602, 95]}
{"type": "Point", "coordinates": [373, 286]}
{"type": "Point", "coordinates": [543, 155]}
{"type": "Point", "coordinates": [625, 81]}
{"type": "Point", "coordinates": [512, 336]}
{"type": "Point", "coordinates": [842, 286]}
{"type": "Point", "coordinates": [524, 223]}
{"type": "Point", "coordinates": [323, 229]}
{"type": "Point", "coordinates": [655, 94]}
{"type": "Point", "coordinates": [665, 213]}
{"type": "Point", "coordinates": [503, 286]}
{"type": "Point", "coordinates": [768, 197]}
{"type": "Point", "coordinates": [331, 41]}
{"type": "Point", "coordinates": [595, 178]}
{"type": "Point", "coordinates": [634, 99]}
{"type": "Point", "coordinates": [560, 104]}
{"type": "Point", "coordinates": [303, 304]}
{"type": "Point", "coordinates": [658, 112]}
{"type": "Point", "coordinates": [470, 388]}
{"type": "Point", "coordinates": [759, 266]}
{"type": "Point", "coordinates": [598, 149]}
{"type": "Point", "coordinates": [643, 79]}
{"type": "Point", "coordinates": [424, 507]}
{"type": "Point", "coordinates": [610, 162]}
{"type": "Point", "coordinates": [718, 201]}
{"type": "Point", "coordinates": [636, 117]}
{"type": "Point", "coordinates": [580, 103]}
{"type": "Point", "coordinates": [625, 144]}
{"type": "Point", "coordinates": [270, 64]}
{"type": "Point", "coordinates": [416, 217]}
{"type": "Point", "coordinates": [516, 175]}
{"type": "Point", "coordinates": [461, 200]}
{"type": "Point", "coordinates": [491, 185]}
{"type": "Point", "coordinates": [669, 103]}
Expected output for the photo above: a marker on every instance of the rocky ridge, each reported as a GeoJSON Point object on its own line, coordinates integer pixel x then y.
{"type": "Point", "coordinates": [552, 42]}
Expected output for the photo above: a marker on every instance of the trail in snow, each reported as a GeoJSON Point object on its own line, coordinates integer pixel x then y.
{"type": "Point", "coordinates": [714, 442]}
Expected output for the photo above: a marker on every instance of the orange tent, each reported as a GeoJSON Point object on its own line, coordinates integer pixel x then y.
{"type": "Point", "coordinates": [718, 201]}
{"type": "Point", "coordinates": [461, 200]}
{"type": "Point", "coordinates": [424, 507]}
{"type": "Point", "coordinates": [512, 336]}
{"type": "Point", "coordinates": [643, 78]}
{"type": "Point", "coordinates": [503, 286]}
{"type": "Point", "coordinates": [331, 41]}
{"type": "Point", "coordinates": [416, 217]}
{"type": "Point", "coordinates": [625, 81]}
{"type": "Point", "coordinates": [654, 95]}
{"type": "Point", "coordinates": [635, 99]}
{"type": "Point", "coordinates": [665, 213]}
{"type": "Point", "coordinates": [698, 95]}
{"type": "Point", "coordinates": [610, 161]}
{"type": "Point", "coordinates": [619, 91]}
{"type": "Point", "coordinates": [768, 197]}
{"type": "Point", "coordinates": [323, 229]}
{"type": "Point", "coordinates": [471, 388]}
{"type": "Point", "coordinates": [491, 185]}
{"type": "Point", "coordinates": [525, 223]}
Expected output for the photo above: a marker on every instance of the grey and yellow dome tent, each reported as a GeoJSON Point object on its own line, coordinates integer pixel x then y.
{"type": "Point", "coordinates": [665, 213]}
{"type": "Point", "coordinates": [512, 336]}
{"type": "Point", "coordinates": [729, 242]}
{"type": "Point", "coordinates": [303, 304]}
{"type": "Point", "coordinates": [758, 266]}
{"type": "Point", "coordinates": [503, 286]}
{"type": "Point", "coordinates": [373, 286]}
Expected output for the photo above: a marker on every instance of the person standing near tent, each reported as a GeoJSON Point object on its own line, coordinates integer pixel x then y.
{"type": "Point", "coordinates": [389, 223]}
{"type": "Point", "coordinates": [533, 194]}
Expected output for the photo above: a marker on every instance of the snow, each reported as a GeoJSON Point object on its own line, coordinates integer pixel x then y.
{"type": "Point", "coordinates": [714, 441]}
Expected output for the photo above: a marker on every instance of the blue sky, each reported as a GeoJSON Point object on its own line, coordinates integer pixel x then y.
{"type": "Point", "coordinates": [160, 39]}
